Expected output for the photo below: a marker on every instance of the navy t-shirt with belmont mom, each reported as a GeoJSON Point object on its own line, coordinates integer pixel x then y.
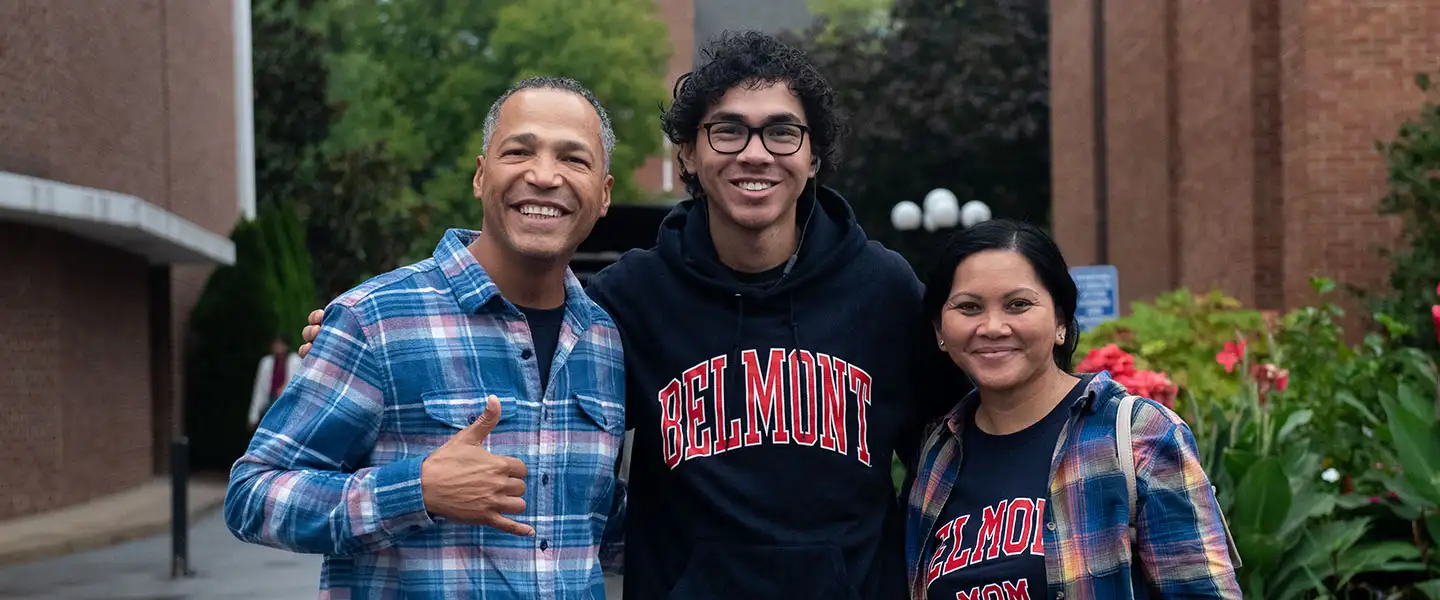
{"type": "Point", "coordinates": [989, 541]}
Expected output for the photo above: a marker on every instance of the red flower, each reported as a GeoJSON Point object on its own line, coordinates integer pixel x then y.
{"type": "Point", "coordinates": [1108, 358]}
{"type": "Point", "coordinates": [1435, 316]}
{"type": "Point", "coordinates": [1268, 377]}
{"type": "Point", "coordinates": [1232, 354]}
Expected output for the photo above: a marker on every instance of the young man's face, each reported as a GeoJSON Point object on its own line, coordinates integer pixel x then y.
{"type": "Point", "coordinates": [543, 181]}
{"type": "Point", "coordinates": [745, 182]}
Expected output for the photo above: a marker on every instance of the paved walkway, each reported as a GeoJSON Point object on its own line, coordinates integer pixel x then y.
{"type": "Point", "coordinates": [225, 569]}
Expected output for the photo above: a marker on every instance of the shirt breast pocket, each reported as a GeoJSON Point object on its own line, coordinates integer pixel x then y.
{"type": "Point", "coordinates": [593, 446]}
{"type": "Point", "coordinates": [448, 411]}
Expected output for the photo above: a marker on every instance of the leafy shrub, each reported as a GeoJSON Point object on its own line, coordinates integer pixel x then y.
{"type": "Point", "coordinates": [268, 291]}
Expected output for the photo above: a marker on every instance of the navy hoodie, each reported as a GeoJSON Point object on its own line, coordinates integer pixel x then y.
{"type": "Point", "coordinates": [765, 417]}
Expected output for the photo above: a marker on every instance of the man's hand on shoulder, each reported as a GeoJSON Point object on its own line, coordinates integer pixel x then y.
{"type": "Point", "coordinates": [464, 482]}
{"type": "Point", "coordinates": [311, 331]}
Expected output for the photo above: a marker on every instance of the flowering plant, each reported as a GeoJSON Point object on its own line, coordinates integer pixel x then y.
{"type": "Point", "coordinates": [1121, 365]}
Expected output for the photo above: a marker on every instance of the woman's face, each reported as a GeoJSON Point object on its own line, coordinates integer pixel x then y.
{"type": "Point", "coordinates": [999, 324]}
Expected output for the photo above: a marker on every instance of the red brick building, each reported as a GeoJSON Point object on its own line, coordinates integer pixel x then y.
{"type": "Point", "coordinates": [121, 176]}
{"type": "Point", "coordinates": [1240, 138]}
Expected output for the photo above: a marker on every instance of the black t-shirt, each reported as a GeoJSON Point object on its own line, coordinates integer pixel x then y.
{"type": "Point", "coordinates": [997, 511]}
{"type": "Point", "coordinates": [762, 279]}
{"type": "Point", "coordinates": [545, 331]}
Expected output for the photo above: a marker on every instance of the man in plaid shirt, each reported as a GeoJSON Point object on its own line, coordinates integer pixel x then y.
{"type": "Point", "coordinates": [445, 395]}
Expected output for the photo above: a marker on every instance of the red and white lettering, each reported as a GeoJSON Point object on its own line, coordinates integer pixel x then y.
{"type": "Point", "coordinates": [671, 436]}
{"type": "Point", "coordinates": [860, 384]}
{"type": "Point", "coordinates": [934, 571]}
{"type": "Point", "coordinates": [1017, 519]}
{"type": "Point", "coordinates": [992, 529]}
{"type": "Point", "coordinates": [764, 404]}
{"type": "Point", "coordinates": [960, 556]}
{"type": "Point", "coordinates": [724, 440]}
{"type": "Point", "coordinates": [1038, 548]}
{"type": "Point", "coordinates": [832, 387]}
{"type": "Point", "coordinates": [1019, 590]}
{"type": "Point", "coordinates": [993, 591]}
{"type": "Point", "coordinates": [802, 410]}
{"type": "Point", "coordinates": [973, 594]}
{"type": "Point", "coordinates": [695, 382]}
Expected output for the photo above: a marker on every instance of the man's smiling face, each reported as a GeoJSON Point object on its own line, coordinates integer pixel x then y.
{"type": "Point", "coordinates": [753, 188]}
{"type": "Point", "coordinates": [543, 180]}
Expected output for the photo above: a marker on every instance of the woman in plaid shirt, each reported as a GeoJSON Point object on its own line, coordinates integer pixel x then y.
{"type": "Point", "coordinates": [1044, 509]}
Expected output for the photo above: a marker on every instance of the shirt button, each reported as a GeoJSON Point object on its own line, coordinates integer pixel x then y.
{"type": "Point", "coordinates": [1050, 526]}
{"type": "Point", "coordinates": [526, 354]}
{"type": "Point", "coordinates": [545, 479]}
{"type": "Point", "coordinates": [544, 544]}
{"type": "Point", "coordinates": [1059, 595]}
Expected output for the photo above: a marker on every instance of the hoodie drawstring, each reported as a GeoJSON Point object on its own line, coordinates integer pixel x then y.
{"type": "Point", "coordinates": [735, 365]}
{"type": "Point", "coordinates": [794, 325]}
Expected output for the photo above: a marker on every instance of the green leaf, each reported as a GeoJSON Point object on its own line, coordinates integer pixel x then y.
{"type": "Point", "coordinates": [1387, 556]}
{"type": "Point", "coordinates": [1238, 462]}
{"type": "Point", "coordinates": [1263, 499]}
{"type": "Point", "coordinates": [1348, 398]}
{"type": "Point", "coordinates": [1297, 419]}
{"type": "Point", "coordinates": [1417, 444]}
{"type": "Point", "coordinates": [1431, 588]}
{"type": "Point", "coordinates": [1422, 81]}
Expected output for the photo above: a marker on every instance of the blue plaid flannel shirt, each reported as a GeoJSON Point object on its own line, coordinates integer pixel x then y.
{"type": "Point", "coordinates": [402, 363]}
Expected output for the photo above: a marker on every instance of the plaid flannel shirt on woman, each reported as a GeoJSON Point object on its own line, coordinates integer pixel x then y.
{"type": "Point", "coordinates": [1182, 543]}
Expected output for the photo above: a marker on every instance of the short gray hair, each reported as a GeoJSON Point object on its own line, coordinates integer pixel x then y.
{"type": "Point", "coordinates": [607, 133]}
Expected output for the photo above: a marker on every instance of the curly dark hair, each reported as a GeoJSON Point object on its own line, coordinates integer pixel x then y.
{"type": "Point", "coordinates": [753, 59]}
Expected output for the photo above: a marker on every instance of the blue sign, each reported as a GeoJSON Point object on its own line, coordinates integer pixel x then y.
{"type": "Point", "coordinates": [1099, 301]}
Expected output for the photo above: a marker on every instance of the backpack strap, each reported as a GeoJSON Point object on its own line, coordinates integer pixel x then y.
{"type": "Point", "coordinates": [1127, 454]}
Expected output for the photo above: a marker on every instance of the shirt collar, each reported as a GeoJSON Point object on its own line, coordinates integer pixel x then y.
{"type": "Point", "coordinates": [473, 289]}
{"type": "Point", "coordinates": [1098, 387]}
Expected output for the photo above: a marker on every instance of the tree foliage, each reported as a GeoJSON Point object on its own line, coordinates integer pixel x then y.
{"type": "Point", "coordinates": [267, 292]}
{"type": "Point", "coordinates": [421, 76]}
{"type": "Point", "coordinates": [1413, 161]}
{"type": "Point", "coordinates": [946, 94]}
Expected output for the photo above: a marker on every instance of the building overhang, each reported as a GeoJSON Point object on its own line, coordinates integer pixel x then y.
{"type": "Point", "coordinates": [111, 218]}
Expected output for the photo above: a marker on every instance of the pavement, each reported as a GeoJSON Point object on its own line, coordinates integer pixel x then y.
{"type": "Point", "coordinates": [92, 553]}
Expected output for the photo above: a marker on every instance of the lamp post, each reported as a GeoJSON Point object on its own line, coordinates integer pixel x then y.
{"type": "Point", "coordinates": [941, 209]}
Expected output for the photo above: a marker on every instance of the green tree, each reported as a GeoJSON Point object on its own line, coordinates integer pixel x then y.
{"type": "Point", "coordinates": [421, 75]}
{"type": "Point", "coordinates": [268, 291]}
{"type": "Point", "coordinates": [954, 95]}
{"type": "Point", "coordinates": [1413, 160]}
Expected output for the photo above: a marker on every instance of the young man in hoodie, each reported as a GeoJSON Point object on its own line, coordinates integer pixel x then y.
{"type": "Point", "coordinates": [775, 358]}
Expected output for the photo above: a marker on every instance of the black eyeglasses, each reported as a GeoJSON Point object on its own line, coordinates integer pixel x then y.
{"type": "Point", "coordinates": [780, 139]}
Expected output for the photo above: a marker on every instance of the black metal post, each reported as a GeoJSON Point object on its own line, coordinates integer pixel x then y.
{"type": "Point", "coordinates": [1102, 173]}
{"type": "Point", "coordinates": [179, 515]}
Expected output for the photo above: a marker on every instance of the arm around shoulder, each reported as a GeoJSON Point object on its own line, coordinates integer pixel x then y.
{"type": "Point", "coordinates": [1183, 547]}
{"type": "Point", "coordinates": [298, 486]}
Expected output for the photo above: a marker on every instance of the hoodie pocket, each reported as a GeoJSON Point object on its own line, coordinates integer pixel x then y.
{"type": "Point", "coordinates": [758, 572]}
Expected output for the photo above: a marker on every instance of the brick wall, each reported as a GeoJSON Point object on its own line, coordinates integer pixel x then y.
{"type": "Point", "coordinates": [679, 17]}
{"type": "Point", "coordinates": [1352, 64]}
{"type": "Point", "coordinates": [1241, 138]}
{"type": "Point", "coordinates": [75, 402]}
{"type": "Point", "coordinates": [135, 97]}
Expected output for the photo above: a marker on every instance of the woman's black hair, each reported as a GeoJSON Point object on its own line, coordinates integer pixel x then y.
{"type": "Point", "coordinates": [1031, 243]}
{"type": "Point", "coordinates": [754, 59]}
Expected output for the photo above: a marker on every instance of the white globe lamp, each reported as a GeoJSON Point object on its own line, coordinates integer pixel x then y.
{"type": "Point", "coordinates": [940, 196]}
{"type": "Point", "coordinates": [945, 211]}
{"type": "Point", "coordinates": [973, 213]}
{"type": "Point", "coordinates": [906, 216]}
